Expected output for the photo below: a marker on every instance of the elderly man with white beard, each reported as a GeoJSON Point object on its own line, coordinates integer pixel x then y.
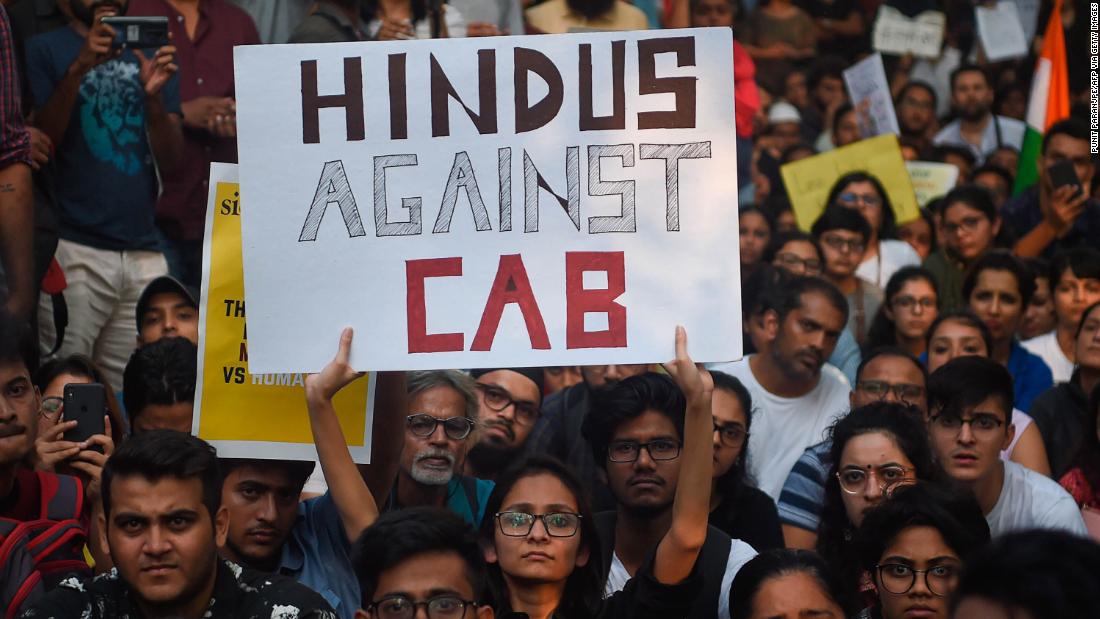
{"type": "Point", "coordinates": [442, 413]}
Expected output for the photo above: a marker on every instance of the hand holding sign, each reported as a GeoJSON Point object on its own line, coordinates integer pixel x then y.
{"type": "Point", "coordinates": [336, 375]}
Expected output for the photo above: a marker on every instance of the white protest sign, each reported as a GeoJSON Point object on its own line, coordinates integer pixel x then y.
{"type": "Point", "coordinates": [894, 33]}
{"type": "Point", "coordinates": [870, 95]}
{"type": "Point", "coordinates": [1029, 16]}
{"type": "Point", "coordinates": [931, 179]}
{"type": "Point", "coordinates": [491, 202]}
{"type": "Point", "coordinates": [1000, 31]}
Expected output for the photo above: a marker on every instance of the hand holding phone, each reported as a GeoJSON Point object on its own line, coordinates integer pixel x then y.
{"type": "Point", "coordinates": [86, 404]}
{"type": "Point", "coordinates": [138, 32]}
{"type": "Point", "coordinates": [1063, 174]}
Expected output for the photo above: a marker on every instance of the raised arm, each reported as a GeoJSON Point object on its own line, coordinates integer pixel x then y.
{"type": "Point", "coordinates": [679, 548]}
{"type": "Point", "coordinates": [353, 499]}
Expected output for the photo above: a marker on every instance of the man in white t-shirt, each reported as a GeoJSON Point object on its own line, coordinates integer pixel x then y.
{"type": "Point", "coordinates": [969, 408]}
{"type": "Point", "coordinates": [795, 394]}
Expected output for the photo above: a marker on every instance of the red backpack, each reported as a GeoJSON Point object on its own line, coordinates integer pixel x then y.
{"type": "Point", "coordinates": [36, 555]}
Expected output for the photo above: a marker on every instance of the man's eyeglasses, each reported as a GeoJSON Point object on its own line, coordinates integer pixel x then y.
{"type": "Point", "coordinates": [628, 451]}
{"type": "Point", "coordinates": [794, 262]}
{"type": "Point", "coordinates": [498, 399]}
{"type": "Point", "coordinates": [437, 607]}
{"type": "Point", "coordinates": [879, 389]}
{"type": "Point", "coordinates": [854, 481]}
{"type": "Point", "coordinates": [731, 434]}
{"type": "Point", "coordinates": [898, 578]}
{"type": "Point", "coordinates": [423, 425]}
{"type": "Point", "coordinates": [519, 524]}
{"type": "Point", "coordinates": [983, 425]}
{"type": "Point", "coordinates": [844, 245]}
{"type": "Point", "coordinates": [51, 408]}
{"type": "Point", "coordinates": [849, 197]}
{"type": "Point", "coordinates": [907, 302]}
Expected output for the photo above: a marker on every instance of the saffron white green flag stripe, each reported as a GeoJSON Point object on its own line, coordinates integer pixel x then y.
{"type": "Point", "coordinates": [1049, 100]}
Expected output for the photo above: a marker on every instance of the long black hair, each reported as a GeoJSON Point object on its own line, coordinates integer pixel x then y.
{"type": "Point", "coordinates": [883, 331]}
{"type": "Point", "coordinates": [733, 481]}
{"type": "Point", "coordinates": [777, 563]}
{"type": "Point", "coordinates": [905, 425]}
{"type": "Point", "coordinates": [584, 587]}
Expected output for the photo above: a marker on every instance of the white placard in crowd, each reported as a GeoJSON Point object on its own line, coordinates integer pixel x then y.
{"type": "Point", "coordinates": [931, 179]}
{"type": "Point", "coordinates": [1000, 31]}
{"type": "Point", "coordinates": [1029, 16]}
{"type": "Point", "coordinates": [921, 36]}
{"type": "Point", "coordinates": [870, 95]}
{"type": "Point", "coordinates": [490, 202]}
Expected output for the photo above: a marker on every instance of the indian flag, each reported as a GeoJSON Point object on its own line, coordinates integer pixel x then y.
{"type": "Point", "coordinates": [1049, 100]}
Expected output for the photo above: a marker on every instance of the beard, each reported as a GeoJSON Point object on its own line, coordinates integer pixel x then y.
{"type": "Point", "coordinates": [430, 476]}
{"type": "Point", "coordinates": [488, 459]}
{"type": "Point", "coordinates": [972, 113]}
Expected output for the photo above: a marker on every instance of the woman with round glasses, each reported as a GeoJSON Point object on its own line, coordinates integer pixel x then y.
{"type": "Point", "coordinates": [909, 307]}
{"type": "Point", "coordinates": [884, 253]}
{"type": "Point", "coordinates": [738, 508]}
{"type": "Point", "coordinates": [875, 449]}
{"type": "Point", "coordinates": [969, 223]}
{"type": "Point", "coordinates": [914, 546]}
{"type": "Point", "coordinates": [540, 538]}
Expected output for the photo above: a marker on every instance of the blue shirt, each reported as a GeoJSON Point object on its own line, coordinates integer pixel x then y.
{"type": "Point", "coordinates": [846, 356]}
{"type": "Point", "coordinates": [106, 178]}
{"type": "Point", "coordinates": [1030, 375]}
{"type": "Point", "coordinates": [469, 508]}
{"type": "Point", "coordinates": [317, 554]}
{"type": "Point", "coordinates": [999, 131]}
{"type": "Point", "coordinates": [803, 495]}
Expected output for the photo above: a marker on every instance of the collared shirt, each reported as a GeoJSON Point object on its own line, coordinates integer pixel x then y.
{"type": "Point", "coordinates": [318, 555]}
{"type": "Point", "coordinates": [466, 497]}
{"type": "Point", "coordinates": [15, 142]}
{"type": "Point", "coordinates": [238, 594]}
{"type": "Point", "coordinates": [1022, 213]}
{"type": "Point", "coordinates": [999, 131]}
{"type": "Point", "coordinates": [206, 70]}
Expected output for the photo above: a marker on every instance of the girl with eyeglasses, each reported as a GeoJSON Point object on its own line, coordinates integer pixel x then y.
{"type": "Point", "coordinates": [969, 228]}
{"type": "Point", "coordinates": [543, 549]}
{"type": "Point", "coordinates": [884, 254]}
{"type": "Point", "coordinates": [876, 448]}
{"type": "Point", "coordinates": [960, 333]}
{"type": "Point", "coordinates": [737, 507]}
{"type": "Point", "coordinates": [908, 310]}
{"type": "Point", "coordinates": [914, 546]}
{"type": "Point", "coordinates": [843, 235]}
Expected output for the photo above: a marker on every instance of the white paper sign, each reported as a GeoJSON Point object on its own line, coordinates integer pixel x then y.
{"type": "Point", "coordinates": [1029, 16]}
{"type": "Point", "coordinates": [870, 96]}
{"type": "Point", "coordinates": [931, 179]}
{"type": "Point", "coordinates": [921, 36]}
{"type": "Point", "coordinates": [493, 202]}
{"type": "Point", "coordinates": [1000, 31]}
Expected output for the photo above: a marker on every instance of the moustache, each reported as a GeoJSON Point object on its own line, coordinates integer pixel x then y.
{"type": "Point", "coordinates": [435, 453]}
{"type": "Point", "coordinates": [504, 425]}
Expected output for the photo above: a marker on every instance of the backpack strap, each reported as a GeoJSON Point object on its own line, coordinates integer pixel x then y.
{"type": "Point", "coordinates": [62, 496]}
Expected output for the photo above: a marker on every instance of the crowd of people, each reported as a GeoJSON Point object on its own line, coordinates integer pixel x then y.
{"type": "Point", "coordinates": [914, 430]}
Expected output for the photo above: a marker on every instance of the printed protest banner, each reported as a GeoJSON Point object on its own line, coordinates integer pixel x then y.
{"type": "Point", "coordinates": [809, 180]}
{"type": "Point", "coordinates": [921, 36]}
{"type": "Point", "coordinates": [870, 95]}
{"type": "Point", "coordinates": [492, 202]}
{"type": "Point", "coordinates": [247, 415]}
{"type": "Point", "coordinates": [931, 179]}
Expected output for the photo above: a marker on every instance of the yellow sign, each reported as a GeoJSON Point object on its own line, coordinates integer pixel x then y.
{"type": "Point", "coordinates": [253, 415]}
{"type": "Point", "coordinates": [808, 181]}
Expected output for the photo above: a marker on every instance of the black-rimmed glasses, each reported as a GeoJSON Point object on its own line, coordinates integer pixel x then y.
{"type": "Point", "coordinates": [424, 425]}
{"type": "Point", "coordinates": [628, 451]}
{"type": "Point", "coordinates": [498, 399]}
{"type": "Point", "coordinates": [730, 434]}
{"type": "Point", "coordinates": [898, 578]}
{"type": "Point", "coordinates": [438, 607]}
{"type": "Point", "coordinates": [557, 524]}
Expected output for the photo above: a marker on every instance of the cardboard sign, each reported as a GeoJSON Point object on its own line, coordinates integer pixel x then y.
{"type": "Point", "coordinates": [1001, 31]}
{"type": "Point", "coordinates": [808, 181]}
{"type": "Point", "coordinates": [931, 180]}
{"type": "Point", "coordinates": [492, 202]}
{"type": "Point", "coordinates": [870, 96]}
{"type": "Point", "coordinates": [248, 415]}
{"type": "Point", "coordinates": [921, 36]}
